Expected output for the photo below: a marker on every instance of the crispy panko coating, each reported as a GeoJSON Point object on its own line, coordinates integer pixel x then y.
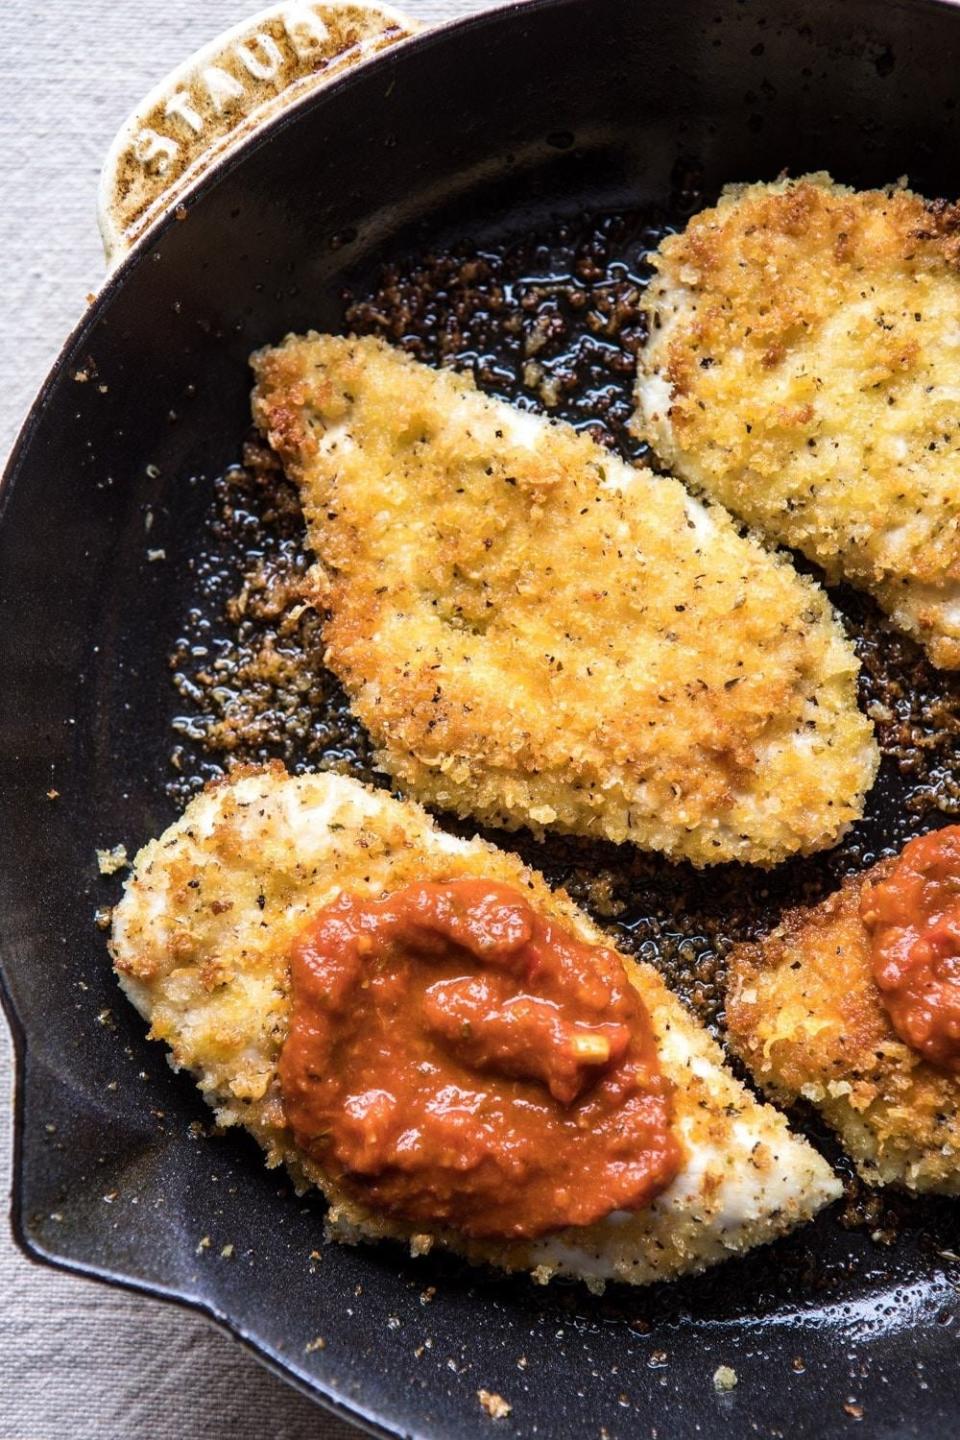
{"type": "Point", "coordinates": [804, 1014]}
{"type": "Point", "coordinates": [201, 942]}
{"type": "Point", "coordinates": [536, 634]}
{"type": "Point", "coordinates": [803, 369]}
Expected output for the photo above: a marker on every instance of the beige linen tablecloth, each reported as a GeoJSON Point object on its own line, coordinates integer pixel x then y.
{"type": "Point", "coordinates": [78, 1361]}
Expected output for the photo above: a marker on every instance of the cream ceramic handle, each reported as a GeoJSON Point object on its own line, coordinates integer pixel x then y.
{"type": "Point", "coordinates": [221, 95]}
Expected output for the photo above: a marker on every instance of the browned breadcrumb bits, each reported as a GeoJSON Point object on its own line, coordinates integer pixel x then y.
{"type": "Point", "coordinates": [495, 1405]}
{"type": "Point", "coordinates": [110, 861]}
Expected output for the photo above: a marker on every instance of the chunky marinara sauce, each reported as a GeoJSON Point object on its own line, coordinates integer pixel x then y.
{"type": "Point", "coordinates": [455, 1059]}
{"type": "Point", "coordinates": [913, 916]}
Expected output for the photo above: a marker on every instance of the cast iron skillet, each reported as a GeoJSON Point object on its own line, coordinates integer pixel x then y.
{"type": "Point", "coordinates": [453, 132]}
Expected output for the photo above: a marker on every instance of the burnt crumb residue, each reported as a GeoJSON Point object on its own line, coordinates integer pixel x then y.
{"type": "Point", "coordinates": [915, 708]}
{"type": "Point", "coordinates": [248, 666]}
{"type": "Point", "coordinates": [552, 322]}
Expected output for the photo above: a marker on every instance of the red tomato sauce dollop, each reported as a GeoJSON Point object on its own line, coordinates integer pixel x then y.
{"type": "Point", "coordinates": [913, 915]}
{"type": "Point", "coordinates": [454, 1059]}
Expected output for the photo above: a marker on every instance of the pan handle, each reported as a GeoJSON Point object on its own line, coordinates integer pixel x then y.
{"type": "Point", "coordinates": [221, 95]}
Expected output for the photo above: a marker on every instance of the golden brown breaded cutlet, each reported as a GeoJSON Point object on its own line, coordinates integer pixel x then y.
{"type": "Point", "coordinates": [804, 1014]}
{"type": "Point", "coordinates": [803, 368]}
{"type": "Point", "coordinates": [201, 943]}
{"type": "Point", "coordinates": [535, 633]}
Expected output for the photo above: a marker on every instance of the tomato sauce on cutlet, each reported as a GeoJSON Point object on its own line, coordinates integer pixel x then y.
{"type": "Point", "coordinates": [454, 1058]}
{"type": "Point", "coordinates": [913, 916]}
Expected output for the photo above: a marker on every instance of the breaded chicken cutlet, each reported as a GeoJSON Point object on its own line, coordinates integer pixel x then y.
{"type": "Point", "coordinates": [535, 633]}
{"type": "Point", "coordinates": [803, 369]}
{"type": "Point", "coordinates": [805, 1014]}
{"type": "Point", "coordinates": [202, 941]}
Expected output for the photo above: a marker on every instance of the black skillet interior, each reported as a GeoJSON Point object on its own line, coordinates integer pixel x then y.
{"type": "Point", "coordinates": [493, 127]}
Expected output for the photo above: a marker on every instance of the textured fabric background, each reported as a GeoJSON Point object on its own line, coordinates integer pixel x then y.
{"type": "Point", "coordinates": [77, 1361]}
